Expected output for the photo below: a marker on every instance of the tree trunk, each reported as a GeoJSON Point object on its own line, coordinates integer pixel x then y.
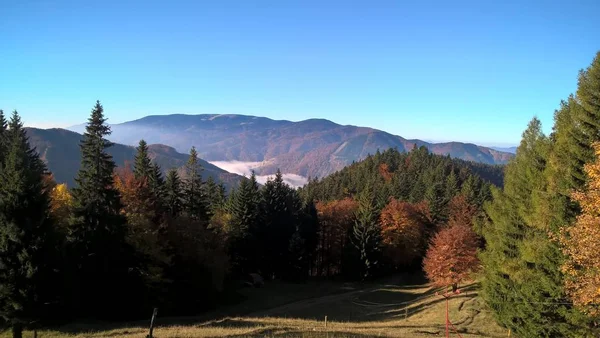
{"type": "Point", "coordinates": [17, 331]}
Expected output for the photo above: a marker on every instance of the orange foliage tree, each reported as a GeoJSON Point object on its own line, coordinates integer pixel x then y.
{"type": "Point", "coordinates": [143, 231]}
{"type": "Point", "coordinates": [402, 229]}
{"type": "Point", "coordinates": [452, 255]}
{"type": "Point", "coordinates": [581, 244]}
{"type": "Point", "coordinates": [336, 218]}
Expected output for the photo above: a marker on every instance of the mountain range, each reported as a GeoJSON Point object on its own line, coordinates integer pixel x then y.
{"type": "Point", "coordinates": [59, 148]}
{"type": "Point", "coordinates": [309, 148]}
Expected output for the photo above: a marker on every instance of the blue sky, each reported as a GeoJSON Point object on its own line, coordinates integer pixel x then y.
{"type": "Point", "coordinates": [473, 71]}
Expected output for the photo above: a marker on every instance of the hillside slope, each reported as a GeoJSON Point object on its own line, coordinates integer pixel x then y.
{"type": "Point", "coordinates": [59, 148]}
{"type": "Point", "coordinates": [314, 147]}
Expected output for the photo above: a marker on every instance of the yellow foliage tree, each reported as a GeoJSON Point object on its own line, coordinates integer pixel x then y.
{"type": "Point", "coordinates": [581, 244]}
{"type": "Point", "coordinates": [61, 204]}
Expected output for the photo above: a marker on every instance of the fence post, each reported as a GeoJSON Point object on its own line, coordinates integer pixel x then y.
{"type": "Point", "coordinates": [152, 322]}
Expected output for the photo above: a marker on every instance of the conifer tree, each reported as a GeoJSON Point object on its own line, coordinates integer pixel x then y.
{"type": "Point", "coordinates": [3, 137]}
{"type": "Point", "coordinates": [366, 233]}
{"type": "Point", "coordinates": [280, 211]}
{"type": "Point", "coordinates": [97, 233]}
{"type": "Point", "coordinates": [149, 181]}
{"type": "Point", "coordinates": [24, 231]}
{"type": "Point", "coordinates": [142, 165]}
{"type": "Point", "coordinates": [523, 283]}
{"type": "Point", "coordinates": [173, 192]}
{"type": "Point", "coordinates": [194, 199]}
{"type": "Point", "coordinates": [245, 214]}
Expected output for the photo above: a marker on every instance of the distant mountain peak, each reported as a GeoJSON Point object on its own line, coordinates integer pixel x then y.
{"type": "Point", "coordinates": [314, 147]}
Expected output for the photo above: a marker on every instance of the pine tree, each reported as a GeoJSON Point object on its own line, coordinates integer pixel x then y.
{"type": "Point", "coordinates": [97, 233]}
{"type": "Point", "coordinates": [173, 191]}
{"type": "Point", "coordinates": [280, 220]}
{"type": "Point", "coordinates": [245, 222]}
{"type": "Point", "coordinates": [366, 233]}
{"type": "Point", "coordinates": [523, 283]}
{"type": "Point", "coordinates": [194, 198]}
{"type": "Point", "coordinates": [142, 165]}
{"type": "Point", "coordinates": [24, 231]}
{"type": "Point", "coordinates": [215, 194]}
{"type": "Point", "coordinates": [150, 182]}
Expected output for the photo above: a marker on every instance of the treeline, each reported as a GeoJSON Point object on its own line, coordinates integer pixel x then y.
{"type": "Point", "coordinates": [125, 240]}
{"type": "Point", "coordinates": [541, 263]}
{"type": "Point", "coordinates": [379, 215]}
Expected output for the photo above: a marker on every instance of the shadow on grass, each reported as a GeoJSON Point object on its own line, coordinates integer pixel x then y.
{"type": "Point", "coordinates": [384, 302]}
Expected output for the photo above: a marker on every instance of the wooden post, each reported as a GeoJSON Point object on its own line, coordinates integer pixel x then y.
{"type": "Point", "coordinates": [152, 322]}
{"type": "Point", "coordinates": [509, 332]}
{"type": "Point", "coordinates": [325, 321]}
{"type": "Point", "coordinates": [34, 333]}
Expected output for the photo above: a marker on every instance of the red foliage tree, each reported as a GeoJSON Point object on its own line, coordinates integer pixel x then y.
{"type": "Point", "coordinates": [335, 221]}
{"type": "Point", "coordinates": [402, 229]}
{"type": "Point", "coordinates": [452, 255]}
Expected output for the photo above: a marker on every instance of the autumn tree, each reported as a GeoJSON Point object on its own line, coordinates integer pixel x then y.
{"type": "Point", "coordinates": [336, 219]}
{"type": "Point", "coordinates": [581, 244]}
{"type": "Point", "coordinates": [143, 235]}
{"type": "Point", "coordinates": [460, 211]}
{"type": "Point", "coordinates": [61, 205]}
{"type": "Point", "coordinates": [402, 229]}
{"type": "Point", "coordinates": [452, 256]}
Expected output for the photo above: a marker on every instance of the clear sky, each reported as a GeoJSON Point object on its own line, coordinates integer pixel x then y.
{"type": "Point", "coordinates": [473, 71]}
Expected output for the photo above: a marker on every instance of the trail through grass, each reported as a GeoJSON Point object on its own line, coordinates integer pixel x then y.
{"type": "Point", "coordinates": [384, 310]}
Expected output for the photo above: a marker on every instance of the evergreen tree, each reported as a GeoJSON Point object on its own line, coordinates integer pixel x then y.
{"type": "Point", "coordinates": [3, 137]}
{"type": "Point", "coordinates": [245, 222]}
{"type": "Point", "coordinates": [366, 233]}
{"type": "Point", "coordinates": [523, 283]}
{"type": "Point", "coordinates": [451, 185]}
{"type": "Point", "coordinates": [97, 233]}
{"type": "Point", "coordinates": [25, 231]}
{"type": "Point", "coordinates": [142, 165]}
{"type": "Point", "coordinates": [150, 181]}
{"type": "Point", "coordinates": [194, 199]}
{"type": "Point", "coordinates": [280, 220]}
{"type": "Point", "coordinates": [173, 192]}
{"type": "Point", "coordinates": [215, 194]}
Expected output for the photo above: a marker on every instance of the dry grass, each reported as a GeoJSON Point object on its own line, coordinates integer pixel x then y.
{"type": "Point", "coordinates": [385, 311]}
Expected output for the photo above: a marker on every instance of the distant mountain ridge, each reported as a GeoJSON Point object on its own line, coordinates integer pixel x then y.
{"type": "Point", "coordinates": [313, 147]}
{"type": "Point", "coordinates": [59, 148]}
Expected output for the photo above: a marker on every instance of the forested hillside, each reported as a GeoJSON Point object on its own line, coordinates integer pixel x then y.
{"type": "Point", "coordinates": [124, 240]}
{"type": "Point", "coordinates": [412, 176]}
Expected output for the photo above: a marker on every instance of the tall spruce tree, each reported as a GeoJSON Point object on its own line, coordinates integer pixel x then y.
{"type": "Point", "coordinates": [24, 230]}
{"type": "Point", "coordinates": [280, 211]}
{"type": "Point", "coordinates": [98, 230]}
{"type": "Point", "coordinates": [173, 192]}
{"type": "Point", "coordinates": [245, 222]}
{"type": "Point", "coordinates": [149, 177]}
{"type": "Point", "coordinates": [366, 233]}
{"type": "Point", "coordinates": [523, 283]}
{"type": "Point", "coordinates": [194, 197]}
{"type": "Point", "coordinates": [142, 165]}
